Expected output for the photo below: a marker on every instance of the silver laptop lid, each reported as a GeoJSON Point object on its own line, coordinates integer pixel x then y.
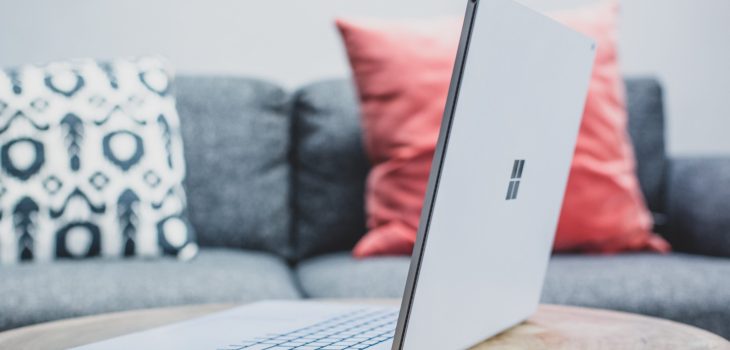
{"type": "Point", "coordinates": [498, 177]}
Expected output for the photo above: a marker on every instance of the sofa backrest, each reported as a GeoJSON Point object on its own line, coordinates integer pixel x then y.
{"type": "Point", "coordinates": [330, 167]}
{"type": "Point", "coordinates": [236, 134]}
{"type": "Point", "coordinates": [646, 128]}
{"type": "Point", "coordinates": [286, 173]}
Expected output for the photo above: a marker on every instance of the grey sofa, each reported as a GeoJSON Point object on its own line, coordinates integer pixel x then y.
{"type": "Point", "coordinates": [275, 190]}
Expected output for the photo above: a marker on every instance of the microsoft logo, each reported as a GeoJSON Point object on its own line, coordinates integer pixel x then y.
{"type": "Point", "coordinates": [514, 183]}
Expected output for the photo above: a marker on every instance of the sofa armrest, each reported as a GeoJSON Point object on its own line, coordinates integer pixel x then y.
{"type": "Point", "coordinates": [698, 205]}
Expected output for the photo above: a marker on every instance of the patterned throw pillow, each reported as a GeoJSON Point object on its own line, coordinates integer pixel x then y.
{"type": "Point", "coordinates": [91, 162]}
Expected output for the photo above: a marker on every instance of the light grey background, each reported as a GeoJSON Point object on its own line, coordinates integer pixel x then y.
{"type": "Point", "coordinates": [686, 43]}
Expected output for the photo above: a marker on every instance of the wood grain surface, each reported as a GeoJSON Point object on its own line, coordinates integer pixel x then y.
{"type": "Point", "coordinates": [552, 327]}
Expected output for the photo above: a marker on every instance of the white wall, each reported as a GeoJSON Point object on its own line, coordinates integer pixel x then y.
{"type": "Point", "coordinates": [686, 43]}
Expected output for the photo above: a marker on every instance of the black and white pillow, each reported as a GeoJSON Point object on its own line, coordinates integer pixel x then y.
{"type": "Point", "coordinates": [91, 162]}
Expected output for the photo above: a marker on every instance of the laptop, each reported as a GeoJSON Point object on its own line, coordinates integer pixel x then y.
{"type": "Point", "coordinates": [489, 216]}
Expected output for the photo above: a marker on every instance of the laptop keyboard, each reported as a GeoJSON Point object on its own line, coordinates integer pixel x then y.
{"type": "Point", "coordinates": [359, 329]}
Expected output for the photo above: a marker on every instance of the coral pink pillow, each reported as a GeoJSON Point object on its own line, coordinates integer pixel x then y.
{"type": "Point", "coordinates": [402, 71]}
{"type": "Point", "coordinates": [604, 209]}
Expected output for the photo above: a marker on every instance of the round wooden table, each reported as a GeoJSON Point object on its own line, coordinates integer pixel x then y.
{"type": "Point", "coordinates": [552, 327]}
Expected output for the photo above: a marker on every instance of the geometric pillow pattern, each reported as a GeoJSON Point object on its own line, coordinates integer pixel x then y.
{"type": "Point", "coordinates": [91, 162]}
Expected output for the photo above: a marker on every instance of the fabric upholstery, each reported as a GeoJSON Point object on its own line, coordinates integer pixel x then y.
{"type": "Point", "coordinates": [644, 102]}
{"type": "Point", "coordinates": [236, 136]}
{"type": "Point", "coordinates": [33, 293]}
{"type": "Point", "coordinates": [339, 275]}
{"type": "Point", "coordinates": [685, 288]}
{"type": "Point", "coordinates": [329, 169]}
{"type": "Point", "coordinates": [698, 205]}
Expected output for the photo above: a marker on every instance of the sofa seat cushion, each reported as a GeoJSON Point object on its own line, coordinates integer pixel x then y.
{"type": "Point", "coordinates": [339, 275]}
{"type": "Point", "coordinates": [44, 292]}
{"type": "Point", "coordinates": [685, 288]}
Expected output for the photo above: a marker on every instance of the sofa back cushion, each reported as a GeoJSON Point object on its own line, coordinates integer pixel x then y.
{"type": "Point", "coordinates": [236, 134]}
{"type": "Point", "coordinates": [646, 128]}
{"type": "Point", "coordinates": [330, 166]}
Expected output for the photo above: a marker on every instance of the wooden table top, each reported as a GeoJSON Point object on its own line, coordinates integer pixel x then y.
{"type": "Point", "coordinates": [552, 327]}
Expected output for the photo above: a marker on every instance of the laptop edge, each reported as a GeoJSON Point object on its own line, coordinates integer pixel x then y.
{"type": "Point", "coordinates": [433, 181]}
